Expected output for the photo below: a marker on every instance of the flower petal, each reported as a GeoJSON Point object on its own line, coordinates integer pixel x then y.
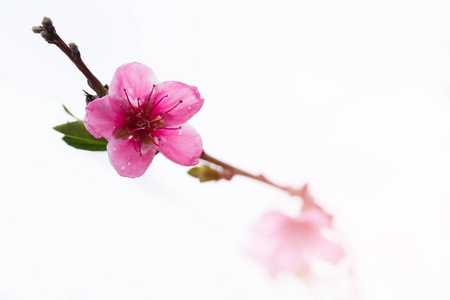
{"type": "Point", "coordinates": [103, 116]}
{"type": "Point", "coordinates": [126, 160]}
{"type": "Point", "coordinates": [182, 146]}
{"type": "Point", "coordinates": [279, 243]}
{"type": "Point", "coordinates": [136, 78]}
{"type": "Point", "coordinates": [266, 234]}
{"type": "Point", "coordinates": [176, 113]}
{"type": "Point", "coordinates": [327, 250]}
{"type": "Point", "coordinates": [289, 257]}
{"type": "Point", "coordinates": [315, 217]}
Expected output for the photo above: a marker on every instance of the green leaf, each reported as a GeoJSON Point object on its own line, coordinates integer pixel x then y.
{"type": "Point", "coordinates": [76, 135]}
{"type": "Point", "coordinates": [205, 173]}
{"type": "Point", "coordinates": [69, 113]}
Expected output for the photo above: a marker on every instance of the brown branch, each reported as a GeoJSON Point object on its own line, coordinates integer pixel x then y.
{"type": "Point", "coordinates": [48, 32]}
{"type": "Point", "coordinates": [229, 171]}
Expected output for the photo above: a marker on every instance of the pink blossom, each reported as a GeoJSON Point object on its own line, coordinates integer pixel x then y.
{"type": "Point", "coordinates": [140, 116]}
{"type": "Point", "coordinates": [282, 243]}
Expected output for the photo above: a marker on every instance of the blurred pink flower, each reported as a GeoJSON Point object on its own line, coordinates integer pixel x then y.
{"type": "Point", "coordinates": [282, 243]}
{"type": "Point", "coordinates": [140, 116]}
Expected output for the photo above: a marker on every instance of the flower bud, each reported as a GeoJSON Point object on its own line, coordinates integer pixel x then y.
{"type": "Point", "coordinates": [74, 50]}
{"type": "Point", "coordinates": [48, 24]}
{"type": "Point", "coordinates": [37, 29]}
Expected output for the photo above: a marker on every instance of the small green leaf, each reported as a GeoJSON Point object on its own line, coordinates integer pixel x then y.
{"type": "Point", "coordinates": [69, 113]}
{"type": "Point", "coordinates": [194, 172]}
{"type": "Point", "coordinates": [205, 173]}
{"type": "Point", "coordinates": [76, 135]}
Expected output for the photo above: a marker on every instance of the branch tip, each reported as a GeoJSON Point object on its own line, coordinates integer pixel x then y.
{"type": "Point", "coordinates": [48, 24]}
{"type": "Point", "coordinates": [48, 32]}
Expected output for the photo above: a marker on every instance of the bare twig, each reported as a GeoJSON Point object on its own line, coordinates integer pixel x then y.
{"type": "Point", "coordinates": [48, 32]}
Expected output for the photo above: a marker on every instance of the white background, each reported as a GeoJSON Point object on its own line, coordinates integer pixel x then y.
{"type": "Point", "coordinates": [352, 97]}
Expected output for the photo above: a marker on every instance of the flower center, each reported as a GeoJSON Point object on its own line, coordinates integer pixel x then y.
{"type": "Point", "coordinates": [142, 124]}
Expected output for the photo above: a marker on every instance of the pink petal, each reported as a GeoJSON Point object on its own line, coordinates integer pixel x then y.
{"type": "Point", "coordinates": [278, 244]}
{"type": "Point", "coordinates": [326, 249]}
{"type": "Point", "coordinates": [271, 220]}
{"type": "Point", "coordinates": [315, 217]}
{"type": "Point", "coordinates": [282, 243]}
{"type": "Point", "coordinates": [289, 257]}
{"type": "Point", "coordinates": [266, 234]}
{"type": "Point", "coordinates": [126, 160]}
{"type": "Point", "coordinates": [136, 78]}
{"type": "Point", "coordinates": [176, 113]}
{"type": "Point", "coordinates": [182, 146]}
{"type": "Point", "coordinates": [103, 116]}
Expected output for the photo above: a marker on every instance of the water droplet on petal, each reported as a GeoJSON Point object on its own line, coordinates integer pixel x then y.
{"type": "Point", "coordinates": [129, 163]}
{"type": "Point", "coordinates": [114, 149]}
{"type": "Point", "coordinates": [123, 167]}
{"type": "Point", "coordinates": [189, 107]}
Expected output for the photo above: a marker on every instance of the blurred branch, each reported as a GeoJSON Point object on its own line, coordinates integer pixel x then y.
{"type": "Point", "coordinates": [229, 172]}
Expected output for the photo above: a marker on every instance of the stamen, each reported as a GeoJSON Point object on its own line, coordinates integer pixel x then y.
{"type": "Point", "coordinates": [129, 102]}
{"type": "Point", "coordinates": [136, 129]}
{"type": "Point", "coordinates": [156, 119]}
{"type": "Point", "coordinates": [165, 128]}
{"type": "Point", "coordinates": [159, 118]}
{"type": "Point", "coordinates": [157, 103]}
{"type": "Point", "coordinates": [135, 142]}
{"type": "Point", "coordinates": [120, 105]}
{"type": "Point", "coordinates": [179, 102]}
{"type": "Point", "coordinates": [138, 99]}
{"type": "Point", "coordinates": [153, 140]}
{"type": "Point", "coordinates": [149, 96]}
